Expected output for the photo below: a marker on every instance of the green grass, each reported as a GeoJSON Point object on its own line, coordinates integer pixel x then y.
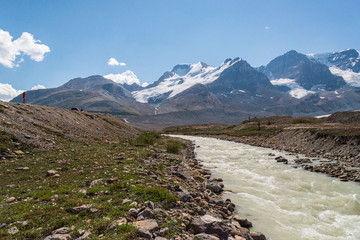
{"type": "Point", "coordinates": [40, 198]}
{"type": "Point", "coordinates": [174, 146]}
{"type": "Point", "coordinates": [146, 138]}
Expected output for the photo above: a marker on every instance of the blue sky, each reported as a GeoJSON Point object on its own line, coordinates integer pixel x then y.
{"type": "Point", "coordinates": [153, 36]}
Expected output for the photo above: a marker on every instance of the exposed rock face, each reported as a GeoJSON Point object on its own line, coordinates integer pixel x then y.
{"type": "Point", "coordinates": [307, 73]}
{"type": "Point", "coordinates": [240, 76]}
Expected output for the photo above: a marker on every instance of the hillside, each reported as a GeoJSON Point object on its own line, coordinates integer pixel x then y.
{"type": "Point", "coordinates": [76, 175]}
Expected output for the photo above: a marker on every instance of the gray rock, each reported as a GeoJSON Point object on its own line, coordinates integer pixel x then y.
{"type": "Point", "coordinates": [84, 236]}
{"type": "Point", "coordinates": [185, 197]}
{"type": "Point", "coordinates": [145, 214]}
{"type": "Point", "coordinates": [81, 208]}
{"type": "Point", "coordinates": [213, 186]}
{"type": "Point", "coordinates": [150, 224]}
{"type": "Point", "coordinates": [150, 205]}
{"type": "Point", "coordinates": [116, 223]}
{"type": "Point", "coordinates": [182, 175]}
{"type": "Point", "coordinates": [210, 225]}
{"type": "Point", "coordinates": [13, 230]}
{"type": "Point", "coordinates": [63, 230]}
{"type": "Point", "coordinates": [59, 237]}
{"type": "Point", "coordinates": [133, 212]}
{"type": "Point", "coordinates": [204, 236]}
{"type": "Point", "coordinates": [160, 238]}
{"type": "Point", "coordinates": [243, 221]}
{"type": "Point", "coordinates": [97, 182]}
{"type": "Point", "coordinates": [144, 233]}
{"type": "Point", "coordinates": [51, 172]}
{"type": "Point", "coordinates": [3, 225]}
{"type": "Point", "coordinates": [257, 236]}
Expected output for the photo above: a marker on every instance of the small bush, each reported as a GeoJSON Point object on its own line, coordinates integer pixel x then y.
{"type": "Point", "coordinates": [173, 146]}
{"type": "Point", "coordinates": [147, 138]}
{"type": "Point", "coordinates": [1, 109]}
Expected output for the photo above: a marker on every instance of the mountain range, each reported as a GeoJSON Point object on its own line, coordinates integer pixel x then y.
{"type": "Point", "coordinates": [291, 84]}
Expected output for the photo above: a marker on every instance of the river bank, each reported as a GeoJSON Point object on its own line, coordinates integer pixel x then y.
{"type": "Point", "coordinates": [344, 157]}
{"type": "Point", "coordinates": [336, 138]}
{"type": "Point", "coordinates": [281, 201]}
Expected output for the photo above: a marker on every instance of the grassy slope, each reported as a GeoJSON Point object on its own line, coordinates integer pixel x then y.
{"type": "Point", "coordinates": [45, 203]}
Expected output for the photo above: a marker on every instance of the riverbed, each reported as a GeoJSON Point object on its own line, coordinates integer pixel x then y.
{"type": "Point", "coordinates": [282, 202]}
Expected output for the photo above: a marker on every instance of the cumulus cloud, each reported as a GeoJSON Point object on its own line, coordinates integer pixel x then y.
{"type": "Point", "coordinates": [7, 92]}
{"type": "Point", "coordinates": [114, 62]}
{"type": "Point", "coordinates": [267, 28]}
{"type": "Point", "coordinates": [25, 44]}
{"type": "Point", "coordinates": [127, 77]}
{"type": "Point", "coordinates": [38, 87]}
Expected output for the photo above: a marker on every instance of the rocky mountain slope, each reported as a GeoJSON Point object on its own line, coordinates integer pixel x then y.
{"type": "Point", "coordinates": [94, 94]}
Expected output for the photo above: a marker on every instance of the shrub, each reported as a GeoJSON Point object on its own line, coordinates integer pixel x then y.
{"type": "Point", "coordinates": [173, 146]}
{"type": "Point", "coordinates": [147, 138]}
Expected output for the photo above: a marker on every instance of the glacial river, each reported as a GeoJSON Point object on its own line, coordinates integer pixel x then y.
{"type": "Point", "coordinates": [284, 203]}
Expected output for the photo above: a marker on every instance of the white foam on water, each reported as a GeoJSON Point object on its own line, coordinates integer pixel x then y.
{"type": "Point", "coordinates": [282, 202]}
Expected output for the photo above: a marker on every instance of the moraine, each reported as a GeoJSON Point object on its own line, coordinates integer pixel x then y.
{"type": "Point", "coordinates": [281, 201]}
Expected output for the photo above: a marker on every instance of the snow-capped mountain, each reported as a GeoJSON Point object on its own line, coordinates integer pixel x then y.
{"type": "Point", "coordinates": [291, 84]}
{"type": "Point", "coordinates": [344, 63]}
{"type": "Point", "coordinates": [296, 74]}
{"type": "Point", "coordinates": [127, 77]}
{"type": "Point", "coordinates": [180, 78]}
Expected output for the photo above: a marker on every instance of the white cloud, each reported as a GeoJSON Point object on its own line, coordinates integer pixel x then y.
{"type": "Point", "coordinates": [25, 44]}
{"type": "Point", "coordinates": [267, 28]}
{"type": "Point", "coordinates": [38, 87]}
{"type": "Point", "coordinates": [127, 77]}
{"type": "Point", "coordinates": [114, 62]}
{"type": "Point", "coordinates": [7, 92]}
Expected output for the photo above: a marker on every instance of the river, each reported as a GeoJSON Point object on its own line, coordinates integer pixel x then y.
{"type": "Point", "coordinates": [283, 202]}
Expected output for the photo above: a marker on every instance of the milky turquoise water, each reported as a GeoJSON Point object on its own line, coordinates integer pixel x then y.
{"type": "Point", "coordinates": [284, 203]}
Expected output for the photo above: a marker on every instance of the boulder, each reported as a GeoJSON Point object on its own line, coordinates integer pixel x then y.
{"type": "Point", "coordinates": [210, 225]}
{"type": "Point", "coordinates": [145, 214]}
{"type": "Point", "coordinates": [150, 224]}
{"type": "Point", "coordinates": [213, 186]}
{"type": "Point", "coordinates": [242, 221]}
{"type": "Point", "coordinates": [257, 236]}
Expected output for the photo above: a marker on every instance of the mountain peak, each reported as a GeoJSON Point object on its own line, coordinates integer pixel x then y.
{"type": "Point", "coordinates": [127, 77]}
